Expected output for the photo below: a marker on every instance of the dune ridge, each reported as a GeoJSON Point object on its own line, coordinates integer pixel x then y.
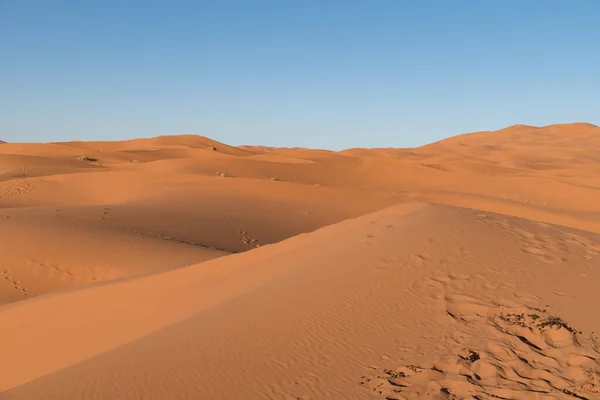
{"type": "Point", "coordinates": [181, 267]}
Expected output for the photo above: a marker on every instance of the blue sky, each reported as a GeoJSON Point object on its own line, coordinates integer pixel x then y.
{"type": "Point", "coordinates": [327, 74]}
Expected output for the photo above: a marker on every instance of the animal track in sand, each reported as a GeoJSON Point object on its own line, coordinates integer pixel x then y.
{"type": "Point", "coordinates": [53, 270]}
{"type": "Point", "coordinates": [505, 350]}
{"type": "Point", "coordinates": [59, 213]}
{"type": "Point", "coordinates": [14, 283]}
{"type": "Point", "coordinates": [549, 247]}
{"type": "Point", "coordinates": [590, 249]}
{"type": "Point", "coordinates": [105, 213]}
{"type": "Point", "coordinates": [419, 259]}
{"type": "Point", "coordinates": [181, 241]}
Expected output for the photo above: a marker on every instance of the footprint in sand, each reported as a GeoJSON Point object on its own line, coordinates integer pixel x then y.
{"type": "Point", "coordinates": [16, 285]}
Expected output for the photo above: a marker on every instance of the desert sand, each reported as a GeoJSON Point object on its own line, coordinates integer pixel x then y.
{"type": "Point", "coordinates": [179, 267]}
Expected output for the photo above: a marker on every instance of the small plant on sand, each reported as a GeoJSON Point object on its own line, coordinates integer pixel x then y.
{"type": "Point", "coordinates": [514, 319]}
{"type": "Point", "coordinates": [540, 322]}
{"type": "Point", "coordinates": [542, 310]}
{"type": "Point", "coordinates": [473, 356]}
{"type": "Point", "coordinates": [555, 323]}
{"type": "Point", "coordinates": [25, 172]}
{"type": "Point", "coordinates": [88, 159]}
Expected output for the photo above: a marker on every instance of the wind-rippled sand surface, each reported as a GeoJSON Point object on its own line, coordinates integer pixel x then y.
{"type": "Point", "coordinates": [182, 268]}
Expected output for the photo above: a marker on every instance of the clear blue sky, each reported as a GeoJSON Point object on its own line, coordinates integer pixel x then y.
{"type": "Point", "coordinates": [328, 74]}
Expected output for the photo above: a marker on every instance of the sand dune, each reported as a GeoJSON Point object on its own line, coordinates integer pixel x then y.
{"type": "Point", "coordinates": [160, 143]}
{"type": "Point", "coordinates": [179, 267]}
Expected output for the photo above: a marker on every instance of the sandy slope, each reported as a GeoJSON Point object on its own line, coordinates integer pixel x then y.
{"type": "Point", "coordinates": [491, 289]}
{"type": "Point", "coordinates": [67, 221]}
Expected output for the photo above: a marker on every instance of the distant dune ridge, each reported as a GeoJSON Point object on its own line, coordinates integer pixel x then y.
{"type": "Point", "coordinates": [181, 267]}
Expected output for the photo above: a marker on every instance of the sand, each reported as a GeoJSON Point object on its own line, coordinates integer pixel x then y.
{"type": "Point", "coordinates": [182, 268]}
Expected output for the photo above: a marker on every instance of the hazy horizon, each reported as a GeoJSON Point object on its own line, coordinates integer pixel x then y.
{"type": "Point", "coordinates": [329, 74]}
{"type": "Point", "coordinates": [250, 144]}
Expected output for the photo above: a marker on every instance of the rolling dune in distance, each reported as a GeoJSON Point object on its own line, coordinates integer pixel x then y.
{"type": "Point", "coordinates": [179, 267]}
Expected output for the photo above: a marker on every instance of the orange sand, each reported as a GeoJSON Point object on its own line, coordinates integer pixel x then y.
{"type": "Point", "coordinates": [182, 268]}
